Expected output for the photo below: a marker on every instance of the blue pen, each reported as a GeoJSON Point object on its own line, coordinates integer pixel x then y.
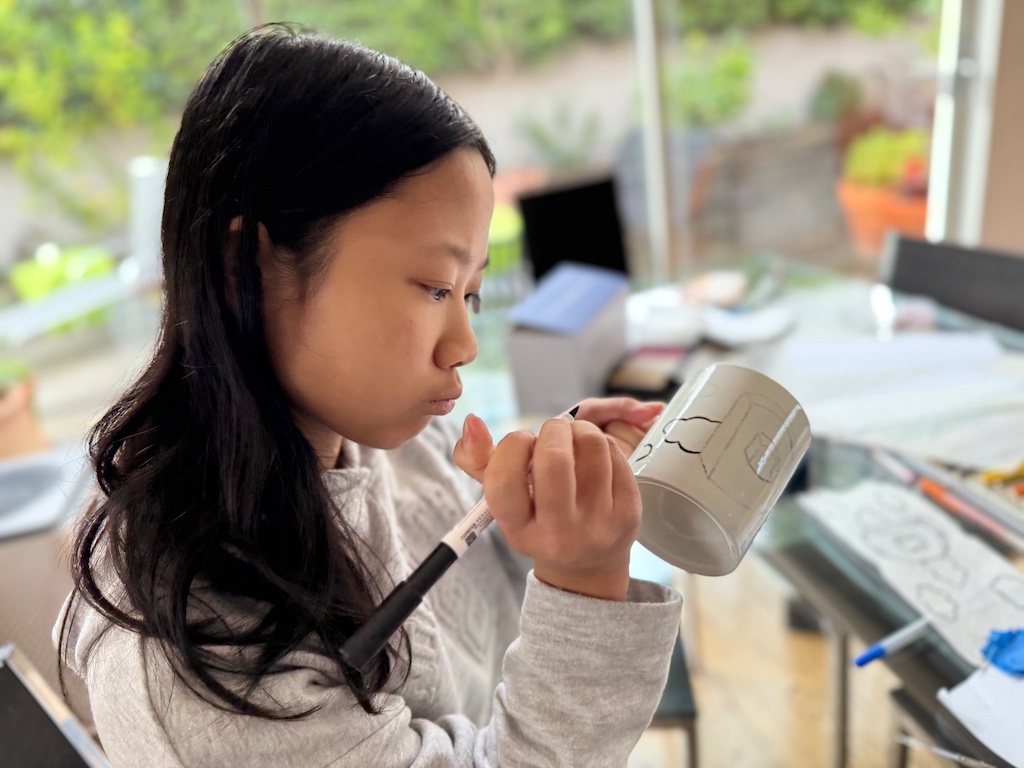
{"type": "Point", "coordinates": [894, 642]}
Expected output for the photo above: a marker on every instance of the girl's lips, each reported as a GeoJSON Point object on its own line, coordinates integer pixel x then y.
{"type": "Point", "coordinates": [442, 407]}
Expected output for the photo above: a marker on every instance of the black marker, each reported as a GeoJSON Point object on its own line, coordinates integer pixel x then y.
{"type": "Point", "coordinates": [367, 641]}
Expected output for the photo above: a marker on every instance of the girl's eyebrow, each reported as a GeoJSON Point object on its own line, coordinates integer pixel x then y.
{"type": "Point", "coordinates": [461, 255]}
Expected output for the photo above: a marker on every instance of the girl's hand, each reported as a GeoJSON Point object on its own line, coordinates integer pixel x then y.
{"type": "Point", "coordinates": [623, 418]}
{"type": "Point", "coordinates": [565, 497]}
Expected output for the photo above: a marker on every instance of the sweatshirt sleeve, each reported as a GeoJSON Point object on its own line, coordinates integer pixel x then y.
{"type": "Point", "coordinates": [580, 684]}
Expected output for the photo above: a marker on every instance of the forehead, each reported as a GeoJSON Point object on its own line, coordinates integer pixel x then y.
{"type": "Point", "coordinates": [444, 210]}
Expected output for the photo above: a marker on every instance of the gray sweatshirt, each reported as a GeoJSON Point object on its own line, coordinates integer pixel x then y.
{"type": "Point", "coordinates": [505, 669]}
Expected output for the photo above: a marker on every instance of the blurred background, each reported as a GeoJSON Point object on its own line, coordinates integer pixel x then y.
{"type": "Point", "coordinates": [734, 131]}
{"type": "Point", "coordinates": [775, 118]}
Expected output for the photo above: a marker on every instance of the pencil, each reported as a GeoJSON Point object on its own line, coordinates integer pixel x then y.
{"type": "Point", "coordinates": [956, 757]}
{"type": "Point", "coordinates": [957, 506]}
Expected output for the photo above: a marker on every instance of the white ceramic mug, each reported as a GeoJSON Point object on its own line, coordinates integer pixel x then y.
{"type": "Point", "coordinates": [714, 464]}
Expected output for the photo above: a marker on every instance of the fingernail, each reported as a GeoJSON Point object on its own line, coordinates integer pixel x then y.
{"type": "Point", "coordinates": [465, 428]}
{"type": "Point", "coordinates": [475, 427]}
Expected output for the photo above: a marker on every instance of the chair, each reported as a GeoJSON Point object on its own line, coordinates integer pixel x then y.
{"type": "Point", "coordinates": [37, 494]}
{"type": "Point", "coordinates": [677, 708]}
{"type": "Point", "coordinates": [984, 284]}
{"type": "Point", "coordinates": [36, 729]}
{"type": "Point", "coordinates": [908, 720]}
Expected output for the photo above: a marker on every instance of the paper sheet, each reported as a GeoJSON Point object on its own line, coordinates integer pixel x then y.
{"type": "Point", "coordinates": [964, 408]}
{"type": "Point", "coordinates": [961, 585]}
{"type": "Point", "coordinates": [990, 703]}
{"type": "Point", "coordinates": [854, 355]}
{"type": "Point", "coordinates": [914, 400]}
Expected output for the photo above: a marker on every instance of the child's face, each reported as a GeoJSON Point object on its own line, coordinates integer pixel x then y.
{"type": "Point", "coordinates": [373, 351]}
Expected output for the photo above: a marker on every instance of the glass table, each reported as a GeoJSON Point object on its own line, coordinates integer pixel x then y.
{"type": "Point", "coordinates": [856, 602]}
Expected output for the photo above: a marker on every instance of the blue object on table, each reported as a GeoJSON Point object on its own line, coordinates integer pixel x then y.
{"type": "Point", "coordinates": [568, 297]}
{"type": "Point", "coordinates": [1006, 650]}
{"type": "Point", "coordinates": [894, 642]}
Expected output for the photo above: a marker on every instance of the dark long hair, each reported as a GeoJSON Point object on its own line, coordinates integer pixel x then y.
{"type": "Point", "coordinates": [205, 476]}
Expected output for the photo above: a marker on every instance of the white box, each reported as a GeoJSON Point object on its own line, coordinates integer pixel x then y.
{"type": "Point", "coordinates": [566, 337]}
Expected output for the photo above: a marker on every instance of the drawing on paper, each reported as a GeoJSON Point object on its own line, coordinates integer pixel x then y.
{"type": "Point", "coordinates": [950, 572]}
{"type": "Point", "coordinates": [938, 603]}
{"type": "Point", "coordinates": [909, 540]}
{"type": "Point", "coordinates": [956, 581]}
{"type": "Point", "coordinates": [1009, 587]}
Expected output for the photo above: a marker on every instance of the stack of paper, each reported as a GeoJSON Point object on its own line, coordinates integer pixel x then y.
{"type": "Point", "coordinates": [990, 703]}
{"type": "Point", "coordinates": [955, 397]}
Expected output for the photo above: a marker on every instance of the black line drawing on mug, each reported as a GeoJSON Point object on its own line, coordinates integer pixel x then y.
{"type": "Point", "coordinates": [696, 435]}
{"type": "Point", "coordinates": [692, 435]}
{"type": "Point", "coordinates": [757, 423]}
{"type": "Point", "coordinates": [646, 452]}
{"type": "Point", "coordinates": [764, 430]}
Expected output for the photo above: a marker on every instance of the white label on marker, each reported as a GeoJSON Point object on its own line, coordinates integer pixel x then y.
{"type": "Point", "coordinates": [472, 525]}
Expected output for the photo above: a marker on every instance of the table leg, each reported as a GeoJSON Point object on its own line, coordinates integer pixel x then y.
{"type": "Point", "coordinates": [839, 661]}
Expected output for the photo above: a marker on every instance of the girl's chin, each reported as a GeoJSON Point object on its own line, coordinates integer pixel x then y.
{"type": "Point", "coordinates": [397, 436]}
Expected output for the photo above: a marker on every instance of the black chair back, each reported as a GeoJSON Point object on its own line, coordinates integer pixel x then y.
{"type": "Point", "coordinates": [988, 285]}
{"type": "Point", "coordinates": [37, 730]}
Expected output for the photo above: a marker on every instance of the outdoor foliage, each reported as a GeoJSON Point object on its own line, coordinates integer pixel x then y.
{"type": "Point", "coordinates": [72, 71]}
{"type": "Point", "coordinates": [711, 85]}
{"type": "Point", "coordinates": [564, 142]}
{"type": "Point", "coordinates": [836, 95]}
{"type": "Point", "coordinates": [70, 76]}
{"type": "Point", "coordinates": [884, 157]}
{"type": "Point", "coordinates": [75, 71]}
{"type": "Point", "coordinates": [873, 16]}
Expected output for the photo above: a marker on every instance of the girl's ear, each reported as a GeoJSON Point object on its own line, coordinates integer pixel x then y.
{"type": "Point", "coordinates": [232, 240]}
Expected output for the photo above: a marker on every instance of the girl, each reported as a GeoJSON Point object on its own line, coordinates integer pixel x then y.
{"type": "Point", "coordinates": [281, 463]}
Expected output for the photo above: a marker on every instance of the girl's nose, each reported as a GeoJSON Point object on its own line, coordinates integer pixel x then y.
{"type": "Point", "coordinates": [458, 346]}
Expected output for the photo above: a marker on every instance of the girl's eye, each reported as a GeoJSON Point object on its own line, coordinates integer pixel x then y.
{"type": "Point", "coordinates": [438, 294]}
{"type": "Point", "coordinates": [441, 294]}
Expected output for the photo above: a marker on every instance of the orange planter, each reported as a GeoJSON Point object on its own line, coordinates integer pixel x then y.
{"type": "Point", "coordinates": [19, 429]}
{"type": "Point", "coordinates": [870, 212]}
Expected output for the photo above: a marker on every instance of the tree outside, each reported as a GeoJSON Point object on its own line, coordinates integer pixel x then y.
{"type": "Point", "coordinates": [77, 74]}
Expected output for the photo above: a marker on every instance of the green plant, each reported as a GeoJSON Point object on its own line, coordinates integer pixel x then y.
{"type": "Point", "coordinates": [813, 12]}
{"type": "Point", "coordinates": [71, 78]}
{"type": "Point", "coordinates": [717, 15]}
{"type": "Point", "coordinates": [564, 142]}
{"type": "Point", "coordinates": [52, 267]}
{"type": "Point", "coordinates": [12, 372]}
{"type": "Point", "coordinates": [712, 83]}
{"type": "Point", "coordinates": [884, 157]}
{"type": "Point", "coordinates": [874, 16]}
{"type": "Point", "coordinates": [836, 96]}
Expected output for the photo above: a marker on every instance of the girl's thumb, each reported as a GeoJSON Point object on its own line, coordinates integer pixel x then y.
{"type": "Point", "coordinates": [473, 450]}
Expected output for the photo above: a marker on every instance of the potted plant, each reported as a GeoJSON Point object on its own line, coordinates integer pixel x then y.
{"type": "Point", "coordinates": [709, 87]}
{"type": "Point", "coordinates": [839, 98]}
{"type": "Point", "coordinates": [19, 429]}
{"type": "Point", "coordinates": [884, 187]}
